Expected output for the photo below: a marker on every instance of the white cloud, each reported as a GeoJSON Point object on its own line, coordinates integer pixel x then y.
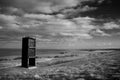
{"type": "Point", "coordinates": [77, 35]}
{"type": "Point", "coordinates": [78, 28]}
{"type": "Point", "coordinates": [98, 32]}
{"type": "Point", "coordinates": [38, 16]}
{"type": "Point", "coordinates": [7, 17]}
{"type": "Point", "coordinates": [46, 6]}
{"type": "Point", "coordinates": [60, 16]}
{"type": "Point", "coordinates": [14, 23]}
{"type": "Point", "coordinates": [1, 27]}
{"type": "Point", "coordinates": [8, 21]}
{"type": "Point", "coordinates": [102, 33]}
{"type": "Point", "coordinates": [52, 28]}
{"type": "Point", "coordinates": [110, 25]}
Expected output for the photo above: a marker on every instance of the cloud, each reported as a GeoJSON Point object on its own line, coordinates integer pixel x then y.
{"type": "Point", "coordinates": [106, 10]}
{"type": "Point", "coordinates": [1, 27]}
{"type": "Point", "coordinates": [56, 21]}
{"type": "Point", "coordinates": [82, 7]}
{"type": "Point", "coordinates": [48, 6]}
{"type": "Point", "coordinates": [111, 25]}
{"type": "Point", "coordinates": [70, 28]}
{"type": "Point", "coordinates": [8, 21]}
{"type": "Point", "coordinates": [7, 17]}
{"type": "Point", "coordinates": [39, 16]}
{"type": "Point", "coordinates": [12, 11]}
{"type": "Point", "coordinates": [51, 28]}
{"type": "Point", "coordinates": [47, 26]}
{"type": "Point", "coordinates": [99, 32]}
{"type": "Point", "coordinates": [13, 22]}
{"type": "Point", "coordinates": [76, 12]}
{"type": "Point", "coordinates": [77, 35]}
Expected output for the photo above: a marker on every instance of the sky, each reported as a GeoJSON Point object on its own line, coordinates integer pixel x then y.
{"type": "Point", "coordinates": [60, 24]}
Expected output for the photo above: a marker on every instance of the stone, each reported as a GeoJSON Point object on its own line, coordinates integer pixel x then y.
{"type": "Point", "coordinates": [36, 76]}
{"type": "Point", "coordinates": [81, 79]}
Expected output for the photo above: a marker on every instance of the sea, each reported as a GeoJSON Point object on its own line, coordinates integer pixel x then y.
{"type": "Point", "coordinates": [18, 52]}
{"type": "Point", "coordinates": [44, 52]}
{"type": "Point", "coordinates": [41, 52]}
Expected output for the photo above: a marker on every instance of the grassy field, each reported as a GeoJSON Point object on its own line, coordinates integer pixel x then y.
{"type": "Point", "coordinates": [92, 65]}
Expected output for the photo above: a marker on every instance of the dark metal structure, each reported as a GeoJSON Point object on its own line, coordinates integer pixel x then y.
{"type": "Point", "coordinates": [28, 52]}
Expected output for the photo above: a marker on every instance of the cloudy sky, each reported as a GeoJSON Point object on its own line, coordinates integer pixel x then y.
{"type": "Point", "coordinates": [60, 24]}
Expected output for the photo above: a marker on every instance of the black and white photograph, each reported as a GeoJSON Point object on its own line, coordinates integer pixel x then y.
{"type": "Point", "coordinates": [59, 40]}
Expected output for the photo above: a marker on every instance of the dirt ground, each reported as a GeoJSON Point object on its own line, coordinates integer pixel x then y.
{"type": "Point", "coordinates": [93, 65]}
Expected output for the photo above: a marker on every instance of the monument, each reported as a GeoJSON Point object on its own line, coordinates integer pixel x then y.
{"type": "Point", "coordinates": [28, 52]}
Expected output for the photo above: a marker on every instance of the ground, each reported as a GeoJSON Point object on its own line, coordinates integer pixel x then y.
{"type": "Point", "coordinates": [92, 65]}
